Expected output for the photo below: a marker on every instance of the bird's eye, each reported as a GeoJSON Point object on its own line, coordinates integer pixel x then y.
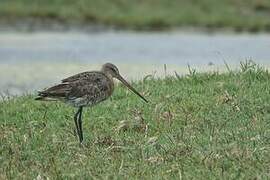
{"type": "Point", "coordinates": [114, 70]}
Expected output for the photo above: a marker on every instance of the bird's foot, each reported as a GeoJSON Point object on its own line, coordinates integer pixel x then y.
{"type": "Point", "coordinates": [82, 145]}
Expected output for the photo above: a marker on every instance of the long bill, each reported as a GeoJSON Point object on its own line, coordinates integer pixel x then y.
{"type": "Point", "coordinates": [120, 78]}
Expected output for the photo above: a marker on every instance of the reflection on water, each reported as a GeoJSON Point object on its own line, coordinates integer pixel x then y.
{"type": "Point", "coordinates": [31, 61]}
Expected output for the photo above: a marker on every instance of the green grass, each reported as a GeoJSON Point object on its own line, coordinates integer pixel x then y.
{"type": "Point", "coordinates": [201, 126]}
{"type": "Point", "coordinates": [251, 15]}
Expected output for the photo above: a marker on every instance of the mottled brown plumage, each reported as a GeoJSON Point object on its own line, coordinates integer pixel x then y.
{"type": "Point", "coordinates": [85, 89]}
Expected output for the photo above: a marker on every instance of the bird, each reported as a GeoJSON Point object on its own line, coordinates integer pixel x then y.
{"type": "Point", "coordinates": [85, 89]}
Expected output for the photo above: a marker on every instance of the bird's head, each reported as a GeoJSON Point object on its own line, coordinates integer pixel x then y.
{"type": "Point", "coordinates": [111, 70]}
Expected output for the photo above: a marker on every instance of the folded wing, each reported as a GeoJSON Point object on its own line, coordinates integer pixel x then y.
{"type": "Point", "coordinates": [83, 89]}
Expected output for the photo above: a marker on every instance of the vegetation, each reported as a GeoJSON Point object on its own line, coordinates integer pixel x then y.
{"type": "Point", "coordinates": [210, 125]}
{"type": "Point", "coordinates": [251, 15]}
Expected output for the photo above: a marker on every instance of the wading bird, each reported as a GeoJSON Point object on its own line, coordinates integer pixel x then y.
{"type": "Point", "coordinates": [85, 89]}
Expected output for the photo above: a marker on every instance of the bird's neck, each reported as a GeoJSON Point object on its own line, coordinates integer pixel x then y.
{"type": "Point", "coordinates": [109, 75]}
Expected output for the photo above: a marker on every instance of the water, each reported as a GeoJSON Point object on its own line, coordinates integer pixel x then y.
{"type": "Point", "coordinates": [127, 47]}
{"type": "Point", "coordinates": [31, 60]}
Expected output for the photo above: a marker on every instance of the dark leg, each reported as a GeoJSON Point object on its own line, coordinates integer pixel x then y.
{"type": "Point", "coordinates": [80, 124]}
{"type": "Point", "coordinates": [76, 121]}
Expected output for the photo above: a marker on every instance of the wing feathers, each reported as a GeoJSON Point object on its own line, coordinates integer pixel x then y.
{"type": "Point", "coordinates": [84, 88]}
{"type": "Point", "coordinates": [56, 92]}
{"type": "Point", "coordinates": [80, 76]}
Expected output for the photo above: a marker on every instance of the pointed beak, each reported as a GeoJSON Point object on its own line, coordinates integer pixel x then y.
{"type": "Point", "coordinates": [120, 78]}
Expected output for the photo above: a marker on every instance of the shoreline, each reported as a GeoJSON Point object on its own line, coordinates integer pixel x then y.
{"type": "Point", "coordinates": [22, 78]}
{"type": "Point", "coordinates": [31, 25]}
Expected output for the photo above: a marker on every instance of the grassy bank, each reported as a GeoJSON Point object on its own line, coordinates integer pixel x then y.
{"type": "Point", "coordinates": [198, 126]}
{"type": "Point", "coordinates": [251, 15]}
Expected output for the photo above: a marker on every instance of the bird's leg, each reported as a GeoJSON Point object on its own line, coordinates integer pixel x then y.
{"type": "Point", "coordinates": [76, 121]}
{"type": "Point", "coordinates": [80, 124]}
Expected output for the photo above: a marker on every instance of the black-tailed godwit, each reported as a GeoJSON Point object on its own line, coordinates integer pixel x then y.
{"type": "Point", "coordinates": [86, 89]}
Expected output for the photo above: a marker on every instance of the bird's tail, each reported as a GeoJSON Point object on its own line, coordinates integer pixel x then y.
{"type": "Point", "coordinates": [39, 98]}
{"type": "Point", "coordinates": [53, 93]}
{"type": "Point", "coordinates": [44, 97]}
